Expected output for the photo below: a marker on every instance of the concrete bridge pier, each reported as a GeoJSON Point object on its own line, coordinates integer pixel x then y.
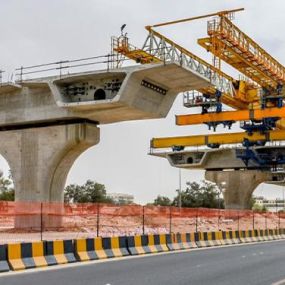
{"type": "Point", "coordinates": [239, 185]}
{"type": "Point", "coordinates": [40, 159]}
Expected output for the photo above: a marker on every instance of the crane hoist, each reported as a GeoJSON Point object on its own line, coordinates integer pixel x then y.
{"type": "Point", "coordinates": [257, 98]}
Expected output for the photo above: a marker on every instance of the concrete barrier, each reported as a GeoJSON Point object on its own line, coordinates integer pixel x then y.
{"type": "Point", "coordinates": [227, 238]}
{"type": "Point", "coordinates": [26, 255]}
{"type": "Point", "coordinates": [245, 236]}
{"type": "Point", "coordinates": [259, 234]}
{"type": "Point", "coordinates": [215, 238]}
{"type": "Point", "coordinates": [174, 242]}
{"type": "Point", "coordinates": [157, 243]}
{"type": "Point", "coordinates": [201, 239]}
{"type": "Point", "coordinates": [138, 245]}
{"type": "Point", "coordinates": [4, 267]}
{"type": "Point", "coordinates": [115, 246]}
{"type": "Point", "coordinates": [188, 240]}
{"type": "Point", "coordinates": [253, 236]}
{"type": "Point", "coordinates": [60, 252]}
{"type": "Point", "coordinates": [89, 249]}
{"type": "Point", "coordinates": [234, 235]}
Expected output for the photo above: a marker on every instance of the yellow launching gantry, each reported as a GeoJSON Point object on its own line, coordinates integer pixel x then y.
{"type": "Point", "coordinates": [158, 49]}
{"type": "Point", "coordinates": [257, 99]}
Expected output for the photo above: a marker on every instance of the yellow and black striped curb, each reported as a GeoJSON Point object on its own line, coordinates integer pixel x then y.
{"type": "Point", "coordinates": [100, 248]}
{"type": "Point", "coordinates": [22, 256]}
{"type": "Point", "coordinates": [39, 254]}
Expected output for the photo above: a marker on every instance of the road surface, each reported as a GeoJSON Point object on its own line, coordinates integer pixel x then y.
{"type": "Point", "coordinates": [251, 264]}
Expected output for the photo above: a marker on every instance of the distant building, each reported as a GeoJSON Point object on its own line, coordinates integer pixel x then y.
{"type": "Point", "coordinates": [273, 205]}
{"type": "Point", "coordinates": [121, 198]}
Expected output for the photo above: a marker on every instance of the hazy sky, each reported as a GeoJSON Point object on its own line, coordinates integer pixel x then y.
{"type": "Point", "coordinates": [40, 31]}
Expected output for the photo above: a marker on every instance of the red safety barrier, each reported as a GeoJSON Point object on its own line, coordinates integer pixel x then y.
{"type": "Point", "coordinates": [29, 221]}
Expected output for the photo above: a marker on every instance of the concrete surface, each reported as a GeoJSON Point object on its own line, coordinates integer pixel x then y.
{"type": "Point", "coordinates": [41, 158]}
{"type": "Point", "coordinates": [38, 138]}
{"type": "Point", "coordinates": [252, 264]}
{"type": "Point", "coordinates": [238, 185]}
{"type": "Point", "coordinates": [222, 165]}
{"type": "Point", "coordinates": [130, 93]}
{"type": "Point", "coordinates": [215, 159]}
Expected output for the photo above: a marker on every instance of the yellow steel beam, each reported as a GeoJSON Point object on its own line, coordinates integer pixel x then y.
{"type": "Point", "coordinates": [239, 115]}
{"type": "Point", "coordinates": [232, 138]}
{"type": "Point", "coordinates": [235, 59]}
{"type": "Point", "coordinates": [220, 13]}
{"type": "Point", "coordinates": [188, 53]}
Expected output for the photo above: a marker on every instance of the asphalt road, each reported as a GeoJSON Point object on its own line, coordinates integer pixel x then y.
{"type": "Point", "coordinates": [261, 263]}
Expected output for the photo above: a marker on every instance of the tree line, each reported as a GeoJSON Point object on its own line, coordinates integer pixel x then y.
{"type": "Point", "coordinates": [203, 194]}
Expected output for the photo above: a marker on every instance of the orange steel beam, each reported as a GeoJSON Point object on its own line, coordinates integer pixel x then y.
{"type": "Point", "coordinates": [255, 61]}
{"type": "Point", "coordinates": [227, 138]}
{"type": "Point", "coordinates": [220, 13]}
{"type": "Point", "coordinates": [239, 115]}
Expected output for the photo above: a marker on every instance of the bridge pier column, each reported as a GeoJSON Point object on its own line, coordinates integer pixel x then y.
{"type": "Point", "coordinates": [239, 185]}
{"type": "Point", "coordinates": [40, 159]}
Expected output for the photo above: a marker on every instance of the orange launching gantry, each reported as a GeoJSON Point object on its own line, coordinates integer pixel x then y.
{"type": "Point", "coordinates": [257, 99]}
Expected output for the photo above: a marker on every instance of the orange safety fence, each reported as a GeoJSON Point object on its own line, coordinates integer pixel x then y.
{"type": "Point", "coordinates": [27, 221]}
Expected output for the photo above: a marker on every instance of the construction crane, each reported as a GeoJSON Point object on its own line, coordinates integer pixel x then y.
{"type": "Point", "coordinates": [257, 99]}
{"type": "Point", "coordinates": [158, 48]}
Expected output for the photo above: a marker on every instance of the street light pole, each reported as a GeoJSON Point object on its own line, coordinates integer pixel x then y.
{"type": "Point", "coordinates": [179, 192]}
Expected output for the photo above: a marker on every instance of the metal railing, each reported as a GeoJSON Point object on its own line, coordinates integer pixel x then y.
{"type": "Point", "coordinates": [65, 67]}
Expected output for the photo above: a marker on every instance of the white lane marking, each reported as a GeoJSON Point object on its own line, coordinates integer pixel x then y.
{"type": "Point", "coordinates": [243, 256]}
{"type": "Point", "coordinates": [254, 254]}
{"type": "Point", "coordinates": [261, 253]}
{"type": "Point", "coordinates": [281, 282]}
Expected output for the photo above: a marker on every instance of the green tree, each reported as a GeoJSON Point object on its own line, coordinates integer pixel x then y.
{"type": "Point", "coordinates": [162, 201]}
{"type": "Point", "coordinates": [259, 208]}
{"type": "Point", "coordinates": [7, 192]}
{"type": "Point", "coordinates": [196, 195]}
{"type": "Point", "coordinates": [89, 192]}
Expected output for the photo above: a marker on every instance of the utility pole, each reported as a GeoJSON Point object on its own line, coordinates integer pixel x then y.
{"type": "Point", "coordinates": [179, 191]}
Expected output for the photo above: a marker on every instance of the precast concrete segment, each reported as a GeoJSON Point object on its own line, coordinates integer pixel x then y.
{"type": "Point", "coordinates": [217, 159]}
{"type": "Point", "coordinates": [130, 93]}
{"type": "Point", "coordinates": [133, 93]}
{"type": "Point", "coordinates": [41, 158]}
{"type": "Point", "coordinates": [238, 184]}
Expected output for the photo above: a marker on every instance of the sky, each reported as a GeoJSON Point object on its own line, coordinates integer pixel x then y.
{"type": "Point", "coordinates": [41, 31]}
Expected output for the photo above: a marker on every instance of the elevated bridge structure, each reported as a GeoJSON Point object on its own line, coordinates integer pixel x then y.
{"type": "Point", "coordinates": [46, 123]}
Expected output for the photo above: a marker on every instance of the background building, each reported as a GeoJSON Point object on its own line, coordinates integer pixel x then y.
{"type": "Point", "coordinates": [121, 198]}
{"type": "Point", "coordinates": [272, 205]}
